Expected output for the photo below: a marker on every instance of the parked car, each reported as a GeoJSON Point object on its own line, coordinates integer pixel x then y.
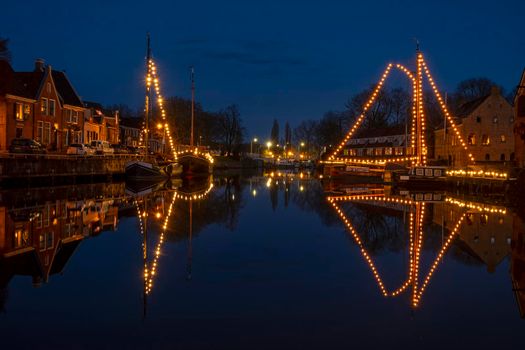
{"type": "Point", "coordinates": [27, 146]}
{"type": "Point", "coordinates": [120, 149]}
{"type": "Point", "coordinates": [80, 149]}
{"type": "Point", "coordinates": [101, 147]}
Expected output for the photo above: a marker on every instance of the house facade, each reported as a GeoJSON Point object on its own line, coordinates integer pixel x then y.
{"type": "Point", "coordinates": [41, 105]}
{"type": "Point", "coordinates": [486, 125]}
{"type": "Point", "coordinates": [380, 143]}
{"type": "Point", "coordinates": [519, 122]}
{"type": "Point", "coordinates": [100, 124]}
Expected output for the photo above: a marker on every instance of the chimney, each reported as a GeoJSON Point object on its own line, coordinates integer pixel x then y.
{"type": "Point", "coordinates": [39, 65]}
{"type": "Point", "coordinates": [494, 90]}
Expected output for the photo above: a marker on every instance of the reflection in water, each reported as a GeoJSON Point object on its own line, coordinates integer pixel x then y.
{"type": "Point", "coordinates": [41, 229]}
{"type": "Point", "coordinates": [483, 230]}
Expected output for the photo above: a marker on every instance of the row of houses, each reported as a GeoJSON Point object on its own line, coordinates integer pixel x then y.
{"type": "Point", "coordinates": [43, 105]}
{"type": "Point", "coordinates": [489, 126]}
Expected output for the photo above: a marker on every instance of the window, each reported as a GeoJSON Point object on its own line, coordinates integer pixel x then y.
{"type": "Point", "coordinates": [27, 111]}
{"type": "Point", "coordinates": [485, 140]}
{"type": "Point", "coordinates": [511, 119]}
{"type": "Point", "coordinates": [46, 214]}
{"type": "Point", "coordinates": [19, 111]}
{"type": "Point", "coordinates": [44, 107]}
{"type": "Point", "coordinates": [399, 151]}
{"type": "Point", "coordinates": [75, 117]}
{"type": "Point", "coordinates": [478, 119]}
{"type": "Point", "coordinates": [502, 156]}
{"type": "Point", "coordinates": [484, 219]}
{"type": "Point", "coordinates": [388, 151]}
{"type": "Point", "coordinates": [67, 115]}
{"type": "Point", "coordinates": [487, 156]}
{"type": "Point", "coordinates": [353, 152]}
{"type": "Point", "coordinates": [19, 132]}
{"type": "Point", "coordinates": [378, 151]}
{"type": "Point", "coordinates": [521, 106]}
{"type": "Point", "coordinates": [52, 108]}
{"type": "Point", "coordinates": [454, 140]}
{"type": "Point", "coordinates": [39, 131]}
{"type": "Point", "coordinates": [471, 139]}
{"type": "Point", "coordinates": [502, 138]}
{"type": "Point", "coordinates": [42, 242]}
{"type": "Point", "coordinates": [47, 134]}
{"type": "Point", "coordinates": [495, 120]}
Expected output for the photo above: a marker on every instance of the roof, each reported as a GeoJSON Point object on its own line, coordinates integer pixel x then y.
{"type": "Point", "coordinates": [131, 122]}
{"type": "Point", "coordinates": [27, 84]}
{"type": "Point", "coordinates": [467, 108]}
{"type": "Point", "coordinates": [66, 91]}
{"type": "Point", "coordinates": [378, 132]}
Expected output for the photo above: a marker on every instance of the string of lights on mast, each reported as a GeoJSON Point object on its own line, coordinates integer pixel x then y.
{"type": "Point", "coordinates": [418, 123]}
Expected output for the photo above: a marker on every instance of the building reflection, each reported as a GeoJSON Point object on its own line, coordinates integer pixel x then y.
{"type": "Point", "coordinates": [486, 232]}
{"type": "Point", "coordinates": [40, 234]}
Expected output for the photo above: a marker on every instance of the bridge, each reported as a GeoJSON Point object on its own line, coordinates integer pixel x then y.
{"type": "Point", "coordinates": [415, 154]}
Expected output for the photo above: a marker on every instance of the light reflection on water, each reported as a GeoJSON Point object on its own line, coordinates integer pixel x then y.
{"type": "Point", "coordinates": [276, 252]}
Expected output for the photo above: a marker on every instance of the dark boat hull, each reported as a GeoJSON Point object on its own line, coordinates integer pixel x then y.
{"type": "Point", "coordinates": [194, 165]}
{"type": "Point", "coordinates": [139, 170]}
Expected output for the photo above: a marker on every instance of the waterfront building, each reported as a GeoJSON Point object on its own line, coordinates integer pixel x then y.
{"type": "Point", "coordinates": [40, 105]}
{"type": "Point", "coordinates": [130, 131]}
{"type": "Point", "coordinates": [100, 124]}
{"type": "Point", "coordinates": [379, 143]}
{"type": "Point", "coordinates": [487, 126]}
{"type": "Point", "coordinates": [519, 122]}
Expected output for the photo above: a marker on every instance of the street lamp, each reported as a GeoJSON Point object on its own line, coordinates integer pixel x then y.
{"type": "Point", "coordinates": [251, 144]}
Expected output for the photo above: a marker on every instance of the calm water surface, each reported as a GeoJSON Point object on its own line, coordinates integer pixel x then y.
{"type": "Point", "coordinates": [258, 262]}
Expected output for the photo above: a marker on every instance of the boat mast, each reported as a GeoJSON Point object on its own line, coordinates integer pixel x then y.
{"type": "Point", "coordinates": [192, 103]}
{"type": "Point", "coordinates": [148, 93]}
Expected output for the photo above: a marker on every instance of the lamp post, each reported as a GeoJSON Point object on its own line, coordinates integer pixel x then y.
{"type": "Point", "coordinates": [251, 144]}
{"type": "Point", "coordinates": [301, 145]}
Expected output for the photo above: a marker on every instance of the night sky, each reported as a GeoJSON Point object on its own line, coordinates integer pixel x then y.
{"type": "Point", "coordinates": [290, 60]}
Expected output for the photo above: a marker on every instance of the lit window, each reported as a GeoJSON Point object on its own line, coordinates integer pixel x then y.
{"type": "Point", "coordinates": [485, 140]}
{"type": "Point", "coordinates": [19, 111]}
{"type": "Point", "coordinates": [471, 139]}
{"type": "Point", "coordinates": [502, 138]}
{"type": "Point", "coordinates": [44, 106]}
{"type": "Point", "coordinates": [27, 111]}
{"type": "Point", "coordinates": [495, 120]}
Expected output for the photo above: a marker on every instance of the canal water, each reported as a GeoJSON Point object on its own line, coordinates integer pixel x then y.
{"type": "Point", "coordinates": [269, 261]}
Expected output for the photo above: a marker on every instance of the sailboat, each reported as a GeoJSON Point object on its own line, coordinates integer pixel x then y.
{"type": "Point", "coordinates": [147, 169]}
{"type": "Point", "coordinates": [194, 162]}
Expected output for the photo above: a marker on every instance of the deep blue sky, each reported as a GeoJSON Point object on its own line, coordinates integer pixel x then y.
{"type": "Point", "coordinates": [290, 60]}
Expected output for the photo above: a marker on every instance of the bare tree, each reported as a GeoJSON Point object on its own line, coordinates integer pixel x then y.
{"type": "Point", "coordinates": [230, 130]}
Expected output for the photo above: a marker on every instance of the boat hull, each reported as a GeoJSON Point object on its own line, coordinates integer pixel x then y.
{"type": "Point", "coordinates": [141, 170]}
{"type": "Point", "coordinates": [194, 165]}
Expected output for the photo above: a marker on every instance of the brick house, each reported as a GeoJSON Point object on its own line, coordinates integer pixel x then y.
{"type": "Point", "coordinates": [519, 122]}
{"type": "Point", "coordinates": [486, 124]}
{"type": "Point", "coordinates": [130, 131]}
{"type": "Point", "coordinates": [41, 105]}
{"type": "Point", "coordinates": [100, 124]}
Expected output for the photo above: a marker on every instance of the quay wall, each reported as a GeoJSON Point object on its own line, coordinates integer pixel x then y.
{"type": "Point", "coordinates": [19, 168]}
